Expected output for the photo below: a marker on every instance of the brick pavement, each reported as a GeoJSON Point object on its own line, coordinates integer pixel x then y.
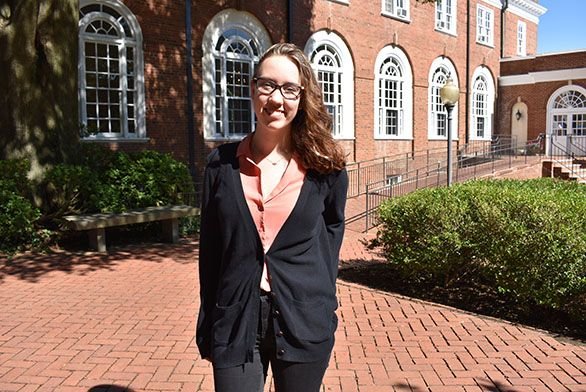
{"type": "Point", "coordinates": [125, 322]}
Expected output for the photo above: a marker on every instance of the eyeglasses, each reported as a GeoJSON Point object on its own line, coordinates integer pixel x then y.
{"type": "Point", "coordinates": [288, 90]}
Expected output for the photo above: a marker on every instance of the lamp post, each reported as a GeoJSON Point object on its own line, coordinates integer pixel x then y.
{"type": "Point", "coordinates": [449, 94]}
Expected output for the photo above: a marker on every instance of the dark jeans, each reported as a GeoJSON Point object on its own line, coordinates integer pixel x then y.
{"type": "Point", "coordinates": [288, 376]}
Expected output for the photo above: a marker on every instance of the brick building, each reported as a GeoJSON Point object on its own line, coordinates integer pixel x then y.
{"type": "Point", "coordinates": [174, 76]}
{"type": "Point", "coordinates": [545, 94]}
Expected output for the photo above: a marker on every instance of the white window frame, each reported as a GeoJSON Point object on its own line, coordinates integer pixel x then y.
{"type": "Point", "coordinates": [130, 90]}
{"type": "Point", "coordinates": [521, 38]}
{"type": "Point", "coordinates": [440, 69]}
{"type": "Point", "coordinates": [222, 22]}
{"type": "Point", "coordinates": [484, 26]}
{"type": "Point", "coordinates": [344, 124]}
{"type": "Point", "coordinates": [566, 112]}
{"type": "Point", "coordinates": [484, 109]}
{"type": "Point", "coordinates": [397, 9]}
{"type": "Point", "coordinates": [404, 105]}
{"type": "Point", "coordinates": [446, 16]}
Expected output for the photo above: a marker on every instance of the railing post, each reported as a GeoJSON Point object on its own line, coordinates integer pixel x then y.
{"type": "Point", "coordinates": [367, 208]}
{"type": "Point", "coordinates": [358, 178]}
{"type": "Point", "coordinates": [384, 169]}
{"type": "Point", "coordinates": [417, 179]}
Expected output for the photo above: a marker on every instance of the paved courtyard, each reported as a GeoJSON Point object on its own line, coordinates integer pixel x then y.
{"type": "Point", "coordinates": [125, 322]}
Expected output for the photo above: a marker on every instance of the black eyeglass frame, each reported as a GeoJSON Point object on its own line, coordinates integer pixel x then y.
{"type": "Point", "coordinates": [279, 87]}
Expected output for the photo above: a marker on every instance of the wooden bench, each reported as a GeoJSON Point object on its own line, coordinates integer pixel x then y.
{"type": "Point", "coordinates": [95, 224]}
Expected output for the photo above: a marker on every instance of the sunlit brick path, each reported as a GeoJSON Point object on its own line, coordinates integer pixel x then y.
{"type": "Point", "coordinates": [125, 322]}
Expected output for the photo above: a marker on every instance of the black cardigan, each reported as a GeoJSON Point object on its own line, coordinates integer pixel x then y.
{"type": "Point", "coordinates": [302, 263]}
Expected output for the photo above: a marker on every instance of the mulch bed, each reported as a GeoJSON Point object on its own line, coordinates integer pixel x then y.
{"type": "Point", "coordinates": [472, 296]}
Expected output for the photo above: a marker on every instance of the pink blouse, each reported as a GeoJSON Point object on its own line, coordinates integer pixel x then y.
{"type": "Point", "coordinates": [269, 212]}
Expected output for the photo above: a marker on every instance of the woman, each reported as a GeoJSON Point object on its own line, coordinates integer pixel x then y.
{"type": "Point", "coordinates": [271, 229]}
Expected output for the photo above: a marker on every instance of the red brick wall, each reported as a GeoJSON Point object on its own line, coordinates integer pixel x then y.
{"type": "Point", "coordinates": [510, 33]}
{"type": "Point", "coordinates": [547, 62]}
{"type": "Point", "coordinates": [535, 95]}
{"type": "Point", "coordinates": [359, 23]}
{"type": "Point", "coordinates": [366, 32]}
{"type": "Point", "coordinates": [163, 28]}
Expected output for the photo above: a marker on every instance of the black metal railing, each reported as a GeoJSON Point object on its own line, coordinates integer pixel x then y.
{"type": "Point", "coordinates": [469, 165]}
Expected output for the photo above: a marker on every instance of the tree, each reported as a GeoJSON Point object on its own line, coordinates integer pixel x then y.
{"type": "Point", "coordinates": [38, 81]}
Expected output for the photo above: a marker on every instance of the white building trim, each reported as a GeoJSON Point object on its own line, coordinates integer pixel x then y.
{"type": "Point", "coordinates": [406, 129]}
{"type": "Point", "coordinates": [494, 3]}
{"type": "Point", "coordinates": [552, 98]}
{"type": "Point", "coordinates": [222, 21]}
{"type": "Point", "coordinates": [324, 37]}
{"type": "Point", "coordinates": [490, 104]}
{"type": "Point", "coordinates": [445, 63]}
{"type": "Point", "coordinates": [542, 77]}
{"type": "Point", "coordinates": [527, 9]}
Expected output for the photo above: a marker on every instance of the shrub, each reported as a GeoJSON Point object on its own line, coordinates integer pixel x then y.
{"type": "Point", "coordinates": [101, 181]}
{"type": "Point", "coordinates": [68, 189]}
{"type": "Point", "coordinates": [524, 237]}
{"type": "Point", "coordinates": [141, 180]}
{"type": "Point", "coordinates": [17, 213]}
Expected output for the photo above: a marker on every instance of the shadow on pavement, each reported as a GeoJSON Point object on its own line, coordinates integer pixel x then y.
{"type": "Point", "coordinates": [33, 266]}
{"type": "Point", "coordinates": [109, 388]}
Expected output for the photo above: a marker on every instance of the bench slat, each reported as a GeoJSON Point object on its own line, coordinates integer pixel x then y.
{"type": "Point", "coordinates": [149, 214]}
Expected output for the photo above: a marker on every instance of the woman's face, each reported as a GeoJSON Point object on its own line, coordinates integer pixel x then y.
{"type": "Point", "coordinates": [273, 111]}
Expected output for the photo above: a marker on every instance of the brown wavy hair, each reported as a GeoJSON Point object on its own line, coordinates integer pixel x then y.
{"type": "Point", "coordinates": [312, 126]}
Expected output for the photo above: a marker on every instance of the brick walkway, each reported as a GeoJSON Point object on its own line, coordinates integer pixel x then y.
{"type": "Point", "coordinates": [125, 322]}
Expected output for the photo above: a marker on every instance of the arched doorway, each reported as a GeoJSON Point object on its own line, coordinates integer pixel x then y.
{"type": "Point", "coordinates": [519, 123]}
{"type": "Point", "coordinates": [566, 121]}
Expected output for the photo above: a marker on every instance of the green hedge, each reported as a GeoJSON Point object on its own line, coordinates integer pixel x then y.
{"type": "Point", "coordinates": [17, 213]}
{"type": "Point", "coordinates": [102, 181]}
{"type": "Point", "coordinates": [524, 237]}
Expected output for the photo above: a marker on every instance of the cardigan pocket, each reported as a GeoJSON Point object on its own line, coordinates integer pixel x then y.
{"type": "Point", "coordinates": [310, 321]}
{"type": "Point", "coordinates": [227, 323]}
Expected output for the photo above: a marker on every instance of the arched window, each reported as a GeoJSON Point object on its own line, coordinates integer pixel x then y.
{"type": "Point", "coordinates": [329, 74]}
{"type": "Point", "coordinates": [111, 71]}
{"type": "Point", "coordinates": [482, 98]}
{"type": "Point", "coordinates": [333, 66]}
{"type": "Point", "coordinates": [567, 112]}
{"type": "Point", "coordinates": [393, 95]}
{"type": "Point", "coordinates": [233, 43]}
{"type": "Point", "coordinates": [441, 69]}
{"type": "Point", "coordinates": [479, 108]}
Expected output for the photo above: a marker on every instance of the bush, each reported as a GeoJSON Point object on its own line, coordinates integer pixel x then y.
{"type": "Point", "coordinates": [17, 213]}
{"type": "Point", "coordinates": [141, 180]}
{"type": "Point", "coordinates": [68, 189]}
{"type": "Point", "coordinates": [101, 181]}
{"type": "Point", "coordinates": [524, 237]}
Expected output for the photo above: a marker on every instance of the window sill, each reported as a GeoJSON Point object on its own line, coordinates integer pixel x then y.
{"type": "Point", "coordinates": [218, 138]}
{"type": "Point", "coordinates": [392, 138]}
{"type": "Point", "coordinates": [115, 140]}
{"type": "Point", "coordinates": [448, 32]}
{"type": "Point", "coordinates": [442, 138]}
{"type": "Point", "coordinates": [396, 17]}
{"type": "Point", "coordinates": [487, 44]}
{"type": "Point", "coordinates": [343, 138]}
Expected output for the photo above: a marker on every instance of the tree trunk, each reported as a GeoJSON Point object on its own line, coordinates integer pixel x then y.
{"type": "Point", "coordinates": [38, 81]}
